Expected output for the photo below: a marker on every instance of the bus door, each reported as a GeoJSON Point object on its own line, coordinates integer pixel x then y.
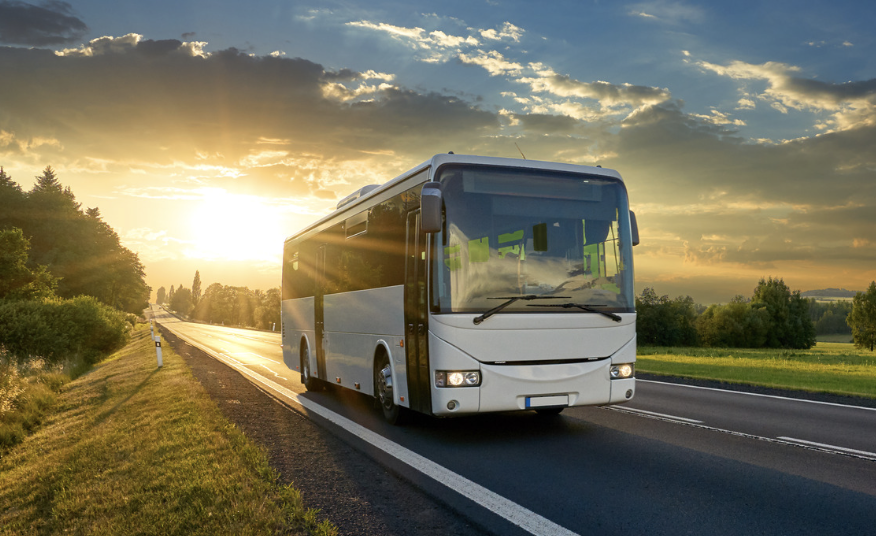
{"type": "Point", "coordinates": [416, 347]}
{"type": "Point", "coordinates": [319, 320]}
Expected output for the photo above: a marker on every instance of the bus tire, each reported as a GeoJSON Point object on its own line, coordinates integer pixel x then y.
{"type": "Point", "coordinates": [392, 412]}
{"type": "Point", "coordinates": [310, 382]}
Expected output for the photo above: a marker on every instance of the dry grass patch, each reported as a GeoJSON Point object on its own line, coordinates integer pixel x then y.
{"type": "Point", "coordinates": [133, 449]}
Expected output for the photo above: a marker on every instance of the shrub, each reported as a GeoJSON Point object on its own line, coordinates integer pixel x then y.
{"type": "Point", "coordinates": [59, 330]}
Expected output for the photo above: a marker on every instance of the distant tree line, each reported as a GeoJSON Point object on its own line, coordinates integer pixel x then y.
{"type": "Point", "coordinates": [80, 251]}
{"type": "Point", "coordinates": [774, 317]}
{"type": "Point", "coordinates": [223, 304]}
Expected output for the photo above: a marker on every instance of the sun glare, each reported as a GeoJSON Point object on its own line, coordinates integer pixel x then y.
{"type": "Point", "coordinates": [236, 227]}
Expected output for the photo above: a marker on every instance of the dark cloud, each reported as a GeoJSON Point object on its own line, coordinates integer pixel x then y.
{"type": "Point", "coordinates": [50, 23]}
{"type": "Point", "coordinates": [188, 35]}
{"type": "Point", "coordinates": [549, 124]}
{"type": "Point", "coordinates": [161, 103]}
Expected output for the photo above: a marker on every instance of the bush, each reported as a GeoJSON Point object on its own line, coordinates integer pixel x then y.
{"type": "Point", "coordinates": [60, 330]}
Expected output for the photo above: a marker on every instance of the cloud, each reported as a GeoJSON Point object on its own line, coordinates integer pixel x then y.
{"type": "Point", "coordinates": [51, 23]}
{"type": "Point", "coordinates": [208, 118]}
{"type": "Point", "coordinates": [134, 43]}
{"type": "Point", "coordinates": [507, 31]}
{"type": "Point", "coordinates": [493, 61]}
{"type": "Point", "coordinates": [852, 104]}
{"type": "Point", "coordinates": [609, 95]}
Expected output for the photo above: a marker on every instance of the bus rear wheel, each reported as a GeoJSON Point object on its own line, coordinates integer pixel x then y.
{"type": "Point", "coordinates": [310, 382]}
{"type": "Point", "coordinates": [383, 392]}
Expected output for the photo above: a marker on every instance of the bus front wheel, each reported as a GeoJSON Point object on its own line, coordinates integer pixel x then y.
{"type": "Point", "coordinates": [383, 392]}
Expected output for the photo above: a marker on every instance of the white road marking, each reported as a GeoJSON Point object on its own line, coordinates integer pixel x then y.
{"type": "Point", "coordinates": [807, 445]}
{"type": "Point", "coordinates": [871, 455]}
{"type": "Point", "coordinates": [673, 417]}
{"type": "Point", "coordinates": [505, 508]}
{"type": "Point", "coordinates": [759, 394]}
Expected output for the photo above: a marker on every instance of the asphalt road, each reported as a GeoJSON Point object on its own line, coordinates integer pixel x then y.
{"type": "Point", "coordinates": [676, 460]}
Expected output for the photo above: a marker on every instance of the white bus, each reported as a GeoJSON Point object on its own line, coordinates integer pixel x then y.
{"type": "Point", "coordinates": [467, 285]}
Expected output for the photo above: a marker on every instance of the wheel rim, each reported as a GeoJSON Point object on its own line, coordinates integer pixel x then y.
{"type": "Point", "coordinates": [306, 367]}
{"type": "Point", "coordinates": [384, 392]}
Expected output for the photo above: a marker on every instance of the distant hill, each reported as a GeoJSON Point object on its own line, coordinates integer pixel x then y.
{"type": "Point", "coordinates": [829, 293]}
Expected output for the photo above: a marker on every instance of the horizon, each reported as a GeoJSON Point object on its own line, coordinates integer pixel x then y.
{"type": "Point", "coordinates": [744, 134]}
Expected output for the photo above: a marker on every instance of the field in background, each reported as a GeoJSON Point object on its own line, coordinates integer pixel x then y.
{"type": "Point", "coordinates": [829, 367]}
{"type": "Point", "coordinates": [835, 337]}
{"type": "Point", "coordinates": [133, 449]}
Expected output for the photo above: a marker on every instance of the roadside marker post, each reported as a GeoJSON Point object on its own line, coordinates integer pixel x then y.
{"type": "Point", "coordinates": [157, 340]}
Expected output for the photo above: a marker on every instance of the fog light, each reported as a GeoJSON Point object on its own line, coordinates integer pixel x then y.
{"type": "Point", "coordinates": [629, 393]}
{"type": "Point", "coordinates": [451, 405]}
{"type": "Point", "coordinates": [621, 371]}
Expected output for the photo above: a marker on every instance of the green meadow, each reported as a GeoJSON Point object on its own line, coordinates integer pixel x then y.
{"type": "Point", "coordinates": [828, 367]}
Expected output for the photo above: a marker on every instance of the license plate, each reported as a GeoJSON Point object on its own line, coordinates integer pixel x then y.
{"type": "Point", "coordinates": [546, 401]}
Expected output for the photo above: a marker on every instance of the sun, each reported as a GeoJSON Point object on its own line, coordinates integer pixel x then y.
{"type": "Point", "coordinates": [236, 227]}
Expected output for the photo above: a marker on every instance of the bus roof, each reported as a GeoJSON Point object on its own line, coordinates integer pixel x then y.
{"type": "Point", "coordinates": [450, 158]}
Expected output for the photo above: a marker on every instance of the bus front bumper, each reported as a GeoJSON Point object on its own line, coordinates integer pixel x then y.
{"type": "Point", "coordinates": [511, 387]}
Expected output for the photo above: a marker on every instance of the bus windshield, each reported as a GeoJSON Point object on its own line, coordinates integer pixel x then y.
{"type": "Point", "coordinates": [523, 232]}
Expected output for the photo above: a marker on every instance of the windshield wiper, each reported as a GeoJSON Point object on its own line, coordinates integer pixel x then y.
{"type": "Point", "coordinates": [511, 299]}
{"type": "Point", "coordinates": [583, 307]}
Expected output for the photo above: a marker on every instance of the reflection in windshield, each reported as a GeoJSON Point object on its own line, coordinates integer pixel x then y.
{"type": "Point", "coordinates": [524, 232]}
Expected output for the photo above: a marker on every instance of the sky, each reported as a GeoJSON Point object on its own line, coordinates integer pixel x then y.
{"type": "Point", "coordinates": [207, 132]}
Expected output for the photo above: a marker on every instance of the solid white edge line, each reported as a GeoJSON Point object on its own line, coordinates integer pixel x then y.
{"type": "Point", "coordinates": [832, 447]}
{"type": "Point", "coordinates": [635, 410]}
{"type": "Point", "coordinates": [758, 394]}
{"type": "Point", "coordinates": [505, 508]}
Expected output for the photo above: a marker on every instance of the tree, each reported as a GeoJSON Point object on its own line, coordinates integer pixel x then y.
{"type": "Point", "coordinates": [196, 289]}
{"type": "Point", "coordinates": [17, 280]}
{"type": "Point", "coordinates": [161, 295]}
{"type": "Point", "coordinates": [789, 325]}
{"type": "Point", "coordinates": [862, 319]}
{"type": "Point", "coordinates": [664, 322]}
{"type": "Point", "coordinates": [12, 201]}
{"type": "Point", "coordinates": [80, 250]}
{"type": "Point", "coordinates": [182, 301]}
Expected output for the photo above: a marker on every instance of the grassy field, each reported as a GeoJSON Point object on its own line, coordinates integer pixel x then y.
{"type": "Point", "coordinates": [133, 449]}
{"type": "Point", "coordinates": [828, 367]}
{"type": "Point", "coordinates": [847, 338]}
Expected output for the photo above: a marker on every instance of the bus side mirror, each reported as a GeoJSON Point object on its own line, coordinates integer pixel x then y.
{"type": "Point", "coordinates": [634, 228]}
{"type": "Point", "coordinates": [431, 203]}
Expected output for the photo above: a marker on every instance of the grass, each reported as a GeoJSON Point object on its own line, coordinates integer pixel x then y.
{"type": "Point", "coordinates": [828, 367]}
{"type": "Point", "coordinates": [133, 449]}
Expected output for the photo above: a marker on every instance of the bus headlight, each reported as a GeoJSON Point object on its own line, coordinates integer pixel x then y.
{"type": "Point", "coordinates": [457, 378]}
{"type": "Point", "coordinates": [619, 372]}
